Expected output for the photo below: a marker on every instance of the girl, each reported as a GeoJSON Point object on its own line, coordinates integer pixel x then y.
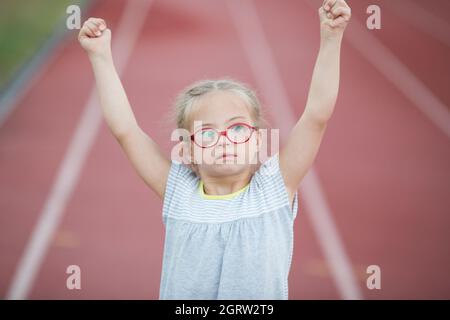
{"type": "Point", "coordinates": [229, 222]}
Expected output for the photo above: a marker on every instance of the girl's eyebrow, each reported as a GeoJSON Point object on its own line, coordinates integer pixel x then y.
{"type": "Point", "coordinates": [229, 120]}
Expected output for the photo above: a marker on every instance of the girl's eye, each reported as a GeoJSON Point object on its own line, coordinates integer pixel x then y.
{"type": "Point", "coordinates": [237, 128]}
{"type": "Point", "coordinates": [208, 134]}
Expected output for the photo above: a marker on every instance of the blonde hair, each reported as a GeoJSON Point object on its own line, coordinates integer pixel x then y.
{"type": "Point", "coordinates": [188, 96]}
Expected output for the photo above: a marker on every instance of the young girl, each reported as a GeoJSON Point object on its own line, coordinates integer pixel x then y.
{"type": "Point", "coordinates": [228, 220]}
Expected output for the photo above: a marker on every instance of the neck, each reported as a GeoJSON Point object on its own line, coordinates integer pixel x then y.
{"type": "Point", "coordinates": [226, 185]}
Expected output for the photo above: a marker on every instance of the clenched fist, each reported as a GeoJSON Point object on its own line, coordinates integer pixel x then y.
{"type": "Point", "coordinates": [334, 17]}
{"type": "Point", "coordinates": [95, 37]}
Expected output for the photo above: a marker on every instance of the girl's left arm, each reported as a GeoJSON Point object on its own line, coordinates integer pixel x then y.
{"type": "Point", "coordinates": [297, 156]}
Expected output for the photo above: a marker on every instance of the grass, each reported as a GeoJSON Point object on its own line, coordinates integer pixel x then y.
{"type": "Point", "coordinates": [24, 27]}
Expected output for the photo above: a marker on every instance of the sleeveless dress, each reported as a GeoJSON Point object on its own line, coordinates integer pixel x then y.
{"type": "Point", "coordinates": [234, 246]}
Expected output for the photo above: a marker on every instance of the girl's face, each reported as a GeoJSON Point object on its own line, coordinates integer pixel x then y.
{"type": "Point", "coordinates": [219, 110]}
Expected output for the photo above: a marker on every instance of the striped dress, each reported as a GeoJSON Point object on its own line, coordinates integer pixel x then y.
{"type": "Point", "coordinates": [234, 246]}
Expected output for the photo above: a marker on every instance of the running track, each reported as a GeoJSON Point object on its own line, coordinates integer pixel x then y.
{"type": "Point", "coordinates": [383, 168]}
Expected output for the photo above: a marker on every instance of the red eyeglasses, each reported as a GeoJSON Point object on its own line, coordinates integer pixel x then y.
{"type": "Point", "coordinates": [237, 133]}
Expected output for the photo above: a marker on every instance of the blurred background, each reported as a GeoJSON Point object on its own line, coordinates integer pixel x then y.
{"type": "Point", "coordinates": [378, 194]}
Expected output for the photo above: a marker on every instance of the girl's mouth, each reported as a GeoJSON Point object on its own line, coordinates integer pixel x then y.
{"type": "Point", "coordinates": [228, 155]}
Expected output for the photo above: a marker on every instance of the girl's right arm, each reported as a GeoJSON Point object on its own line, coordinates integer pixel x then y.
{"type": "Point", "coordinates": [145, 155]}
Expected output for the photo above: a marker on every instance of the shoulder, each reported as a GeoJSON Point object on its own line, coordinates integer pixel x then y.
{"type": "Point", "coordinates": [269, 178]}
{"type": "Point", "coordinates": [180, 178]}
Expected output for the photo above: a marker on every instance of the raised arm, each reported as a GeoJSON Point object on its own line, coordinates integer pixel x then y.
{"type": "Point", "coordinates": [298, 154]}
{"type": "Point", "coordinates": [145, 155]}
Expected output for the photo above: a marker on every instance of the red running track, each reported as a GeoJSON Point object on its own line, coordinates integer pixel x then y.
{"type": "Point", "coordinates": [384, 166]}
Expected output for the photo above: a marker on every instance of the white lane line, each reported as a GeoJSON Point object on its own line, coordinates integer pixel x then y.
{"type": "Point", "coordinates": [128, 30]}
{"type": "Point", "coordinates": [34, 69]}
{"type": "Point", "coordinates": [262, 63]}
{"type": "Point", "coordinates": [399, 75]}
{"type": "Point", "coordinates": [422, 19]}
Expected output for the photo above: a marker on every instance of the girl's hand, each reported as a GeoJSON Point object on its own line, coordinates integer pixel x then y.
{"type": "Point", "coordinates": [95, 37]}
{"type": "Point", "coordinates": [334, 17]}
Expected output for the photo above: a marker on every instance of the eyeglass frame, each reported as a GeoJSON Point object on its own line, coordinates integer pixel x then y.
{"type": "Point", "coordinates": [224, 133]}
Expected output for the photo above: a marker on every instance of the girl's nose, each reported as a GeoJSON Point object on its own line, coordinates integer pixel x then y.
{"type": "Point", "coordinates": [223, 140]}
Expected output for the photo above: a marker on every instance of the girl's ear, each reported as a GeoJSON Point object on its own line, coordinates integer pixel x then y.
{"type": "Point", "coordinates": [180, 152]}
{"type": "Point", "coordinates": [258, 139]}
{"type": "Point", "coordinates": [189, 154]}
{"type": "Point", "coordinates": [186, 152]}
{"type": "Point", "coordinates": [186, 156]}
